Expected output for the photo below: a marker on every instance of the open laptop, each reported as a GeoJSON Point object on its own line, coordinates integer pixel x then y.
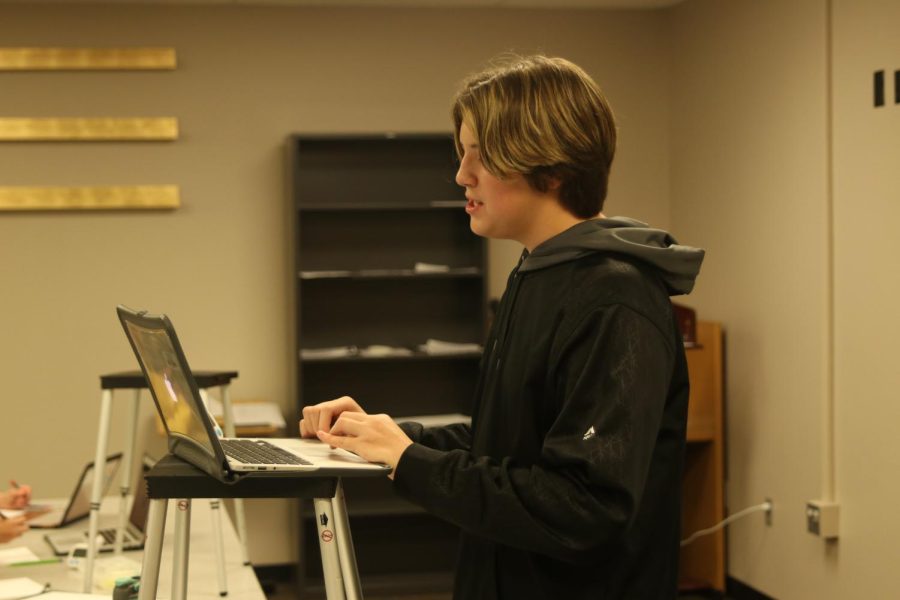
{"type": "Point", "coordinates": [132, 537]}
{"type": "Point", "coordinates": [79, 505]}
{"type": "Point", "coordinates": [190, 430]}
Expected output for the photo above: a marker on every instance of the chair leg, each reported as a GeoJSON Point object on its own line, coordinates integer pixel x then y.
{"type": "Point", "coordinates": [97, 488]}
{"type": "Point", "coordinates": [127, 459]}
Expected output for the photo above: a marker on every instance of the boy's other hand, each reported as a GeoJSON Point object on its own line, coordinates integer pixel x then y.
{"type": "Point", "coordinates": [320, 417]}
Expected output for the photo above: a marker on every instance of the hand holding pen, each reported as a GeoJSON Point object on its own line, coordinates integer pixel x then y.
{"type": "Point", "coordinates": [12, 528]}
{"type": "Point", "coordinates": [17, 497]}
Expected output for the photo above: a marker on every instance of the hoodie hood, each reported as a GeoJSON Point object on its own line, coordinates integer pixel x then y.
{"type": "Point", "coordinates": [678, 265]}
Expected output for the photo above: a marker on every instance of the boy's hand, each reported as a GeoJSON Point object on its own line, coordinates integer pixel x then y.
{"type": "Point", "coordinates": [376, 438]}
{"type": "Point", "coordinates": [320, 417]}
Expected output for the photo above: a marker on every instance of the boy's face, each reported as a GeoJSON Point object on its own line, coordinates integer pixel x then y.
{"type": "Point", "coordinates": [507, 208]}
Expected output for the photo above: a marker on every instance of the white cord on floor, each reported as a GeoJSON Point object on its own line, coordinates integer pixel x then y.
{"type": "Point", "coordinates": [765, 506]}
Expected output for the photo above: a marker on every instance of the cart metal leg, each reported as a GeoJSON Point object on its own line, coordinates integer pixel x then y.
{"type": "Point", "coordinates": [336, 547]}
{"type": "Point", "coordinates": [156, 527]}
{"type": "Point", "coordinates": [182, 549]}
{"type": "Point", "coordinates": [331, 562]}
{"type": "Point", "coordinates": [346, 552]}
{"type": "Point", "coordinates": [219, 543]}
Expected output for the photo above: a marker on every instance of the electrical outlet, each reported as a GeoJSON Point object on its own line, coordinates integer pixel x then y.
{"type": "Point", "coordinates": [769, 512]}
{"type": "Point", "coordinates": [822, 518]}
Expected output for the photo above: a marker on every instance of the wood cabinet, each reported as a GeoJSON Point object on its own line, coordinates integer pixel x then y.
{"type": "Point", "coordinates": [703, 494]}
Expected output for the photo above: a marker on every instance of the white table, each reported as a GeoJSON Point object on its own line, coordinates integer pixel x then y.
{"type": "Point", "coordinates": [202, 582]}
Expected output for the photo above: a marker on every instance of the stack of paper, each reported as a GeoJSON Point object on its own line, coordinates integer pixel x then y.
{"type": "Point", "coordinates": [441, 347]}
{"type": "Point", "coordinates": [421, 267]}
{"type": "Point", "coordinates": [335, 352]}
{"type": "Point", "coordinates": [379, 350]}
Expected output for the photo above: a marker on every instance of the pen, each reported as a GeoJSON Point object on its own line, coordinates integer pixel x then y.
{"type": "Point", "coordinates": [28, 563]}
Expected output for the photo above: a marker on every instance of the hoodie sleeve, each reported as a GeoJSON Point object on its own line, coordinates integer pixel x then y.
{"type": "Point", "coordinates": [611, 378]}
{"type": "Point", "coordinates": [451, 437]}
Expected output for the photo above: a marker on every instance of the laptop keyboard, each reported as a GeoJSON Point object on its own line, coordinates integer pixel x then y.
{"type": "Point", "coordinates": [260, 452]}
{"type": "Point", "coordinates": [109, 536]}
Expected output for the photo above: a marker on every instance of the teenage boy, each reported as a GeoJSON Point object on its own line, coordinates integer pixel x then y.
{"type": "Point", "coordinates": [567, 483]}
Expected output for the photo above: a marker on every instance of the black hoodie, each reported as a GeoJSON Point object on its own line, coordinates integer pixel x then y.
{"type": "Point", "coordinates": [567, 483]}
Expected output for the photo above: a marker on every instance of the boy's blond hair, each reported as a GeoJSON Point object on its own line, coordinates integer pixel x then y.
{"type": "Point", "coordinates": [546, 119]}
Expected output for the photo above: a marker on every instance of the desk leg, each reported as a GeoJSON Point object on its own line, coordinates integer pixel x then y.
{"type": "Point", "coordinates": [346, 552]}
{"type": "Point", "coordinates": [97, 487]}
{"type": "Point", "coordinates": [219, 543]}
{"type": "Point", "coordinates": [153, 543]}
{"type": "Point", "coordinates": [331, 563]}
{"type": "Point", "coordinates": [182, 549]}
{"type": "Point", "coordinates": [128, 459]}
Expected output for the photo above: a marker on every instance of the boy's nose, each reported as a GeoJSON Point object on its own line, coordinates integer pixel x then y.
{"type": "Point", "coordinates": [464, 177]}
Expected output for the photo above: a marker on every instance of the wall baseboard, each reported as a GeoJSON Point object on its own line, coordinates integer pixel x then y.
{"type": "Point", "coordinates": [738, 590]}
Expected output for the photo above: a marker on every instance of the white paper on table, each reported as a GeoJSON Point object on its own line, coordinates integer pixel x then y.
{"type": "Point", "coordinates": [9, 556]}
{"type": "Point", "coordinates": [19, 587]}
{"type": "Point", "coordinates": [72, 596]}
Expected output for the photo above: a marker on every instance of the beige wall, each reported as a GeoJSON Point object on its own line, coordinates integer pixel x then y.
{"type": "Point", "coordinates": [220, 265]}
{"type": "Point", "coordinates": [751, 182]}
{"type": "Point", "coordinates": [867, 285]}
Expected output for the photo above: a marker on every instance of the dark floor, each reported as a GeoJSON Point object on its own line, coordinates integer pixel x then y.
{"type": "Point", "coordinates": [279, 584]}
{"type": "Point", "coordinates": [285, 591]}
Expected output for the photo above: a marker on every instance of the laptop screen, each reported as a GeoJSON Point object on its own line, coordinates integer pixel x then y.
{"type": "Point", "coordinates": [170, 386]}
{"type": "Point", "coordinates": [80, 504]}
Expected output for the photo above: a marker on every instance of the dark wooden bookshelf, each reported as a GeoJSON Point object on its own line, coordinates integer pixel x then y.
{"type": "Point", "coordinates": [383, 256]}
